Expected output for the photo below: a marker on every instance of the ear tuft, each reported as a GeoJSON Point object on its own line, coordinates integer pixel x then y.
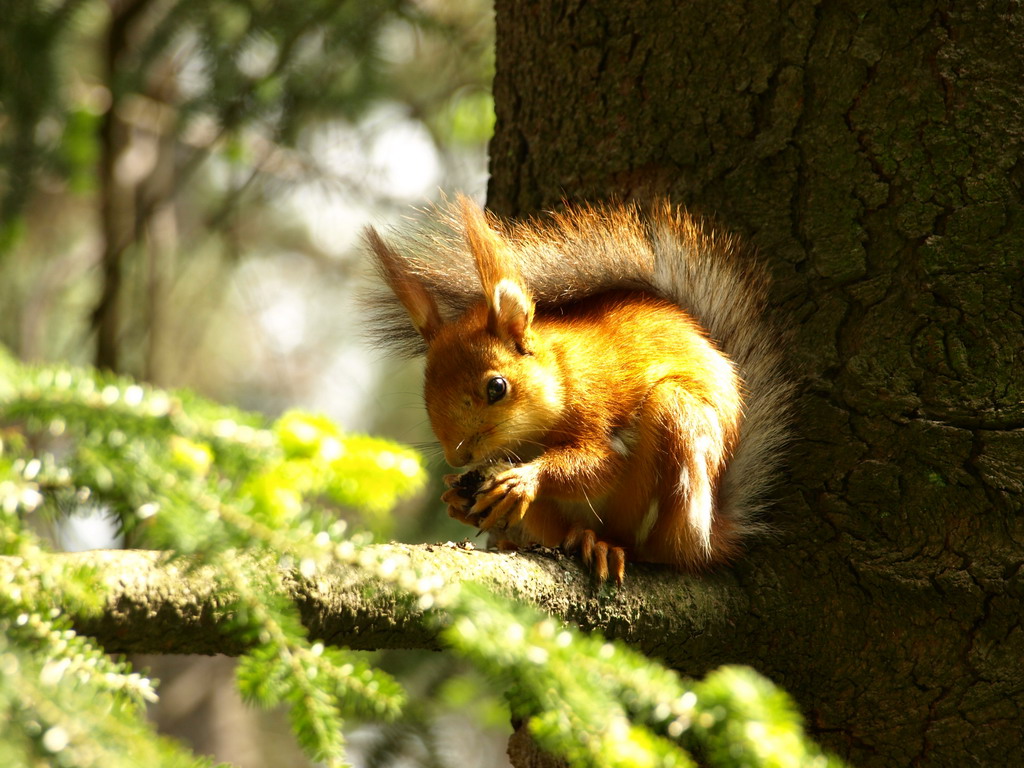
{"type": "Point", "coordinates": [509, 305]}
{"type": "Point", "coordinates": [408, 288]}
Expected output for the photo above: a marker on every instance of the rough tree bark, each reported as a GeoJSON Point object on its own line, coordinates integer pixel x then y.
{"type": "Point", "coordinates": [872, 151]}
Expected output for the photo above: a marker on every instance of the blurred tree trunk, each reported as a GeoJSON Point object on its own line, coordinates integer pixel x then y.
{"type": "Point", "coordinates": [872, 152]}
{"type": "Point", "coordinates": [138, 180]}
{"type": "Point", "coordinates": [117, 203]}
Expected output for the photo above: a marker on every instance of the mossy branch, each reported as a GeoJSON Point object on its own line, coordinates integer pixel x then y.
{"type": "Point", "coordinates": [159, 604]}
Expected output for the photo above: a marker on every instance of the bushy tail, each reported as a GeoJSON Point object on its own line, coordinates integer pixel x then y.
{"type": "Point", "coordinates": [714, 278]}
{"type": "Point", "coordinates": [587, 250]}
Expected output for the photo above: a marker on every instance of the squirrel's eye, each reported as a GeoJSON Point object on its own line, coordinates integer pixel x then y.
{"type": "Point", "coordinates": [496, 389]}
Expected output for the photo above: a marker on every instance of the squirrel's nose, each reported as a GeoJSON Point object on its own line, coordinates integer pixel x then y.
{"type": "Point", "coordinates": [458, 455]}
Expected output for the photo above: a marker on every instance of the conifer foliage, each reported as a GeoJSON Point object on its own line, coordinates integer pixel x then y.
{"type": "Point", "coordinates": [206, 482]}
{"type": "Point", "coordinates": [181, 474]}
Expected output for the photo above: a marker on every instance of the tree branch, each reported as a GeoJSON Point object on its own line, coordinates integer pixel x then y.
{"type": "Point", "coordinates": [155, 604]}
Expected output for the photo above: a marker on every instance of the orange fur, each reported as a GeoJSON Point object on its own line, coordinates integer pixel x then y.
{"type": "Point", "coordinates": [618, 415]}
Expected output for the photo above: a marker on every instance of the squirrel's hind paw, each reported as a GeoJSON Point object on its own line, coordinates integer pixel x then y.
{"type": "Point", "coordinates": [603, 559]}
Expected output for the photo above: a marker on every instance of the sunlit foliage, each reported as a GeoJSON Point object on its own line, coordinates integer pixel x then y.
{"type": "Point", "coordinates": [179, 473]}
{"type": "Point", "coordinates": [194, 478]}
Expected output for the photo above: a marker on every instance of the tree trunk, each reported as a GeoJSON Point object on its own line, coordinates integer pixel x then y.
{"type": "Point", "coordinates": [118, 214]}
{"type": "Point", "coordinates": [873, 154]}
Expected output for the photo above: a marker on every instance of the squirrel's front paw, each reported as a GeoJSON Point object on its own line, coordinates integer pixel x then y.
{"type": "Point", "coordinates": [461, 493]}
{"type": "Point", "coordinates": [505, 497]}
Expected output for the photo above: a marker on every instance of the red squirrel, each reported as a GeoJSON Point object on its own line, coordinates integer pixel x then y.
{"type": "Point", "coordinates": [608, 375]}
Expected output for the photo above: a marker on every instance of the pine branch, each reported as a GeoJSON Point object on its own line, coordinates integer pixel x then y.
{"type": "Point", "coordinates": [158, 605]}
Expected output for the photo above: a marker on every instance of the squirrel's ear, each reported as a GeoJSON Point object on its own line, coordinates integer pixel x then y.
{"type": "Point", "coordinates": [509, 305]}
{"type": "Point", "coordinates": [411, 292]}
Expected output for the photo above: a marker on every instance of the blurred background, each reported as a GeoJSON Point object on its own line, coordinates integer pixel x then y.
{"type": "Point", "coordinates": [183, 187]}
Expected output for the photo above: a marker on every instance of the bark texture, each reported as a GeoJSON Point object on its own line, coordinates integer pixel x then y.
{"type": "Point", "coordinates": [158, 604]}
{"type": "Point", "coordinates": [872, 151]}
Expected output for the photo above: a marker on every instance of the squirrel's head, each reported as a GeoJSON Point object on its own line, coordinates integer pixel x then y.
{"type": "Point", "coordinates": [488, 397]}
{"type": "Point", "coordinates": [491, 390]}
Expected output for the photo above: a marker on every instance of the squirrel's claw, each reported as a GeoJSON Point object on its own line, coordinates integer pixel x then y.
{"type": "Point", "coordinates": [603, 559]}
{"type": "Point", "coordinates": [458, 513]}
{"type": "Point", "coordinates": [459, 497]}
{"type": "Point", "coordinates": [453, 497]}
{"type": "Point", "coordinates": [508, 511]}
{"type": "Point", "coordinates": [617, 564]}
{"type": "Point", "coordinates": [506, 497]}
